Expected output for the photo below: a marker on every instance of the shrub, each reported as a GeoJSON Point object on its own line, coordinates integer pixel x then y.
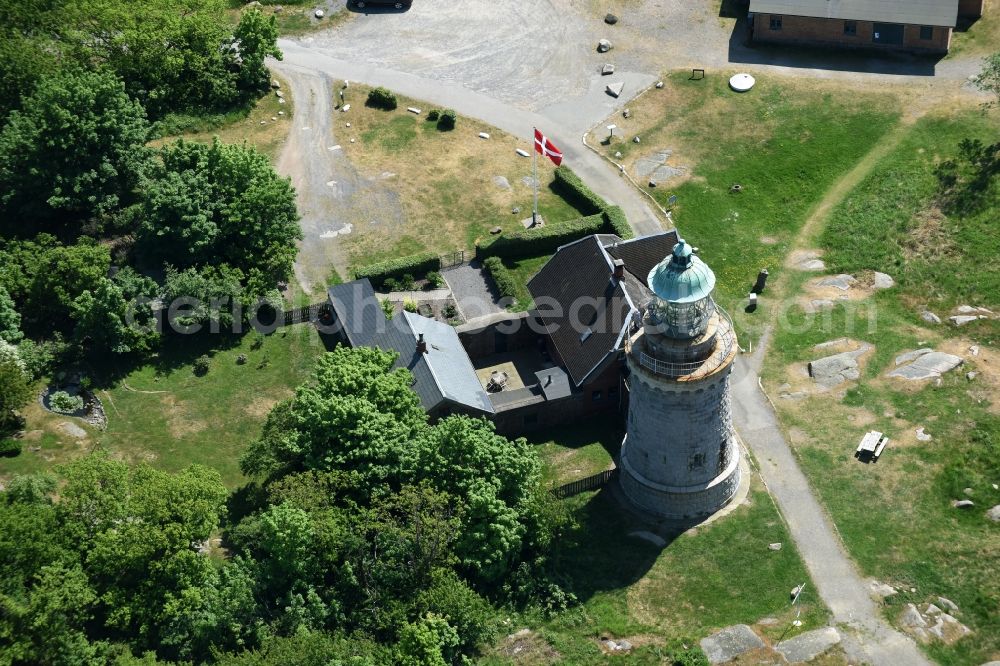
{"type": "Point", "coordinates": [450, 311]}
{"type": "Point", "coordinates": [201, 365]}
{"type": "Point", "coordinates": [536, 242]}
{"type": "Point", "coordinates": [436, 280]}
{"type": "Point", "coordinates": [64, 403]}
{"type": "Point", "coordinates": [388, 309]}
{"type": "Point", "coordinates": [241, 359]}
{"type": "Point", "coordinates": [10, 448]}
{"type": "Point", "coordinates": [502, 277]}
{"type": "Point", "coordinates": [569, 186]}
{"type": "Point", "coordinates": [382, 98]}
{"type": "Point", "coordinates": [433, 114]}
{"type": "Point", "coordinates": [410, 306]}
{"type": "Point", "coordinates": [407, 282]}
{"type": "Point", "coordinates": [617, 222]}
{"type": "Point", "coordinates": [447, 120]}
{"type": "Point", "coordinates": [415, 264]}
{"type": "Point", "coordinates": [391, 284]}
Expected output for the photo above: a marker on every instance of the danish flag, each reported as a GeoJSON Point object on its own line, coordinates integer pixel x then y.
{"type": "Point", "coordinates": [546, 148]}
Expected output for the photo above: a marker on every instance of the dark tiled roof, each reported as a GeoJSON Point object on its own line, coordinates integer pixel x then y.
{"type": "Point", "coordinates": [642, 254]}
{"type": "Point", "coordinates": [443, 374]}
{"type": "Point", "coordinates": [582, 273]}
{"type": "Point", "coordinates": [583, 307]}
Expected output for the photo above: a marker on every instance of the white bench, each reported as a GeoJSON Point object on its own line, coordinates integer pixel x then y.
{"type": "Point", "coordinates": [871, 445]}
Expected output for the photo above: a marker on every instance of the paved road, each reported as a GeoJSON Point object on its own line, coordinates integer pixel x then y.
{"type": "Point", "coordinates": [838, 582]}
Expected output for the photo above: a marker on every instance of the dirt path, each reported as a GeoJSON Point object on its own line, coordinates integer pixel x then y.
{"type": "Point", "coordinates": [840, 585]}
{"type": "Point", "coordinates": [331, 195]}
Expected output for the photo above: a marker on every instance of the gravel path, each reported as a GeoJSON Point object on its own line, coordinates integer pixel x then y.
{"type": "Point", "coordinates": [330, 192]}
{"type": "Point", "coordinates": [838, 582]}
{"type": "Point", "coordinates": [472, 291]}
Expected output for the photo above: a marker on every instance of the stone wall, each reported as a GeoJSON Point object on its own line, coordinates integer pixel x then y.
{"type": "Point", "coordinates": [830, 32]}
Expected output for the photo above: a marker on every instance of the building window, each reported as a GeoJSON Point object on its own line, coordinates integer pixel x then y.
{"type": "Point", "coordinates": [926, 32]}
{"type": "Point", "coordinates": [613, 392]}
{"type": "Point", "coordinates": [775, 22]}
{"type": "Point", "coordinates": [696, 461]}
{"type": "Point", "coordinates": [596, 395]}
{"type": "Point", "coordinates": [850, 28]}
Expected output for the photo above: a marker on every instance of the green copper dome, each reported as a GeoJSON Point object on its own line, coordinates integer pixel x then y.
{"type": "Point", "coordinates": [683, 278]}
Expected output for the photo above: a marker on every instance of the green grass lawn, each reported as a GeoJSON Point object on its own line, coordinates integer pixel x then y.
{"type": "Point", "coordinates": [896, 517]}
{"type": "Point", "coordinates": [166, 415]}
{"type": "Point", "coordinates": [785, 143]}
{"type": "Point", "coordinates": [704, 579]}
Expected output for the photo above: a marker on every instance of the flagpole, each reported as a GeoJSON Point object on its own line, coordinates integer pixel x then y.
{"type": "Point", "coordinates": [534, 175]}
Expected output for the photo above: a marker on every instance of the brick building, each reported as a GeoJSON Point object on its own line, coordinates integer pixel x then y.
{"type": "Point", "coordinates": [921, 26]}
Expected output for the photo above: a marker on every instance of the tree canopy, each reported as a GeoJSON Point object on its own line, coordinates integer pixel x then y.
{"type": "Point", "coordinates": [74, 151]}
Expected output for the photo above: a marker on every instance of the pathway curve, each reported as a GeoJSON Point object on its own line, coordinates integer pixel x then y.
{"type": "Point", "coordinates": [301, 63]}
{"type": "Point", "coordinates": [837, 580]}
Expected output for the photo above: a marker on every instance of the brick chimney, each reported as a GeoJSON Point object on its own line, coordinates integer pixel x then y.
{"type": "Point", "coordinates": [619, 269]}
{"type": "Point", "coordinates": [421, 345]}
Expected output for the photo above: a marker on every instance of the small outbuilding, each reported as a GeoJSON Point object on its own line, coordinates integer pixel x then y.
{"type": "Point", "coordinates": [923, 26]}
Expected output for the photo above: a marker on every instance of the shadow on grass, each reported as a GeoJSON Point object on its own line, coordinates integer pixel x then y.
{"type": "Point", "coordinates": [601, 556]}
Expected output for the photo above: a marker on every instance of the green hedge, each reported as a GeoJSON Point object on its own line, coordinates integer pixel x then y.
{"type": "Point", "coordinates": [381, 98]}
{"type": "Point", "coordinates": [536, 242]}
{"type": "Point", "coordinates": [415, 264]}
{"type": "Point", "coordinates": [502, 277]}
{"type": "Point", "coordinates": [617, 222]}
{"type": "Point", "coordinates": [569, 186]}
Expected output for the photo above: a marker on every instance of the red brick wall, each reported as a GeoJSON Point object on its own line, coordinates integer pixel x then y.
{"type": "Point", "coordinates": [830, 32]}
{"type": "Point", "coordinates": [970, 8]}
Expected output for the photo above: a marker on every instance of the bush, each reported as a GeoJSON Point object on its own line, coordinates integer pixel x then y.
{"type": "Point", "coordinates": [415, 264]}
{"type": "Point", "coordinates": [433, 114]}
{"type": "Point", "coordinates": [502, 277]}
{"type": "Point", "coordinates": [388, 309]}
{"type": "Point", "coordinates": [435, 279]}
{"type": "Point", "coordinates": [201, 365]}
{"type": "Point", "coordinates": [391, 284]}
{"type": "Point", "coordinates": [382, 98]}
{"type": "Point", "coordinates": [64, 403]}
{"type": "Point", "coordinates": [618, 224]}
{"type": "Point", "coordinates": [407, 282]}
{"type": "Point", "coordinates": [410, 306]}
{"type": "Point", "coordinates": [569, 186]}
{"type": "Point", "coordinates": [450, 311]}
{"type": "Point", "coordinates": [10, 448]}
{"type": "Point", "coordinates": [537, 242]}
{"type": "Point", "coordinates": [447, 120]}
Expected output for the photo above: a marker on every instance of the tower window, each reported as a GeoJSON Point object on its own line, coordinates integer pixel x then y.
{"type": "Point", "coordinates": [696, 461]}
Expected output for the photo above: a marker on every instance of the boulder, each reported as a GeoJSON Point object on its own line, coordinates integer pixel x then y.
{"type": "Point", "coordinates": [968, 309]}
{"type": "Point", "coordinates": [615, 89]}
{"type": "Point", "coordinates": [930, 317]}
{"type": "Point", "coordinates": [812, 265]}
{"type": "Point", "coordinates": [842, 281]}
{"type": "Point", "coordinates": [962, 320]}
{"type": "Point", "coordinates": [974, 350]}
{"type": "Point", "coordinates": [932, 610]}
{"type": "Point", "coordinates": [922, 435]}
{"type": "Point", "coordinates": [883, 281]}
{"type": "Point", "coordinates": [603, 46]}
{"type": "Point", "coordinates": [275, 84]}
{"type": "Point", "coordinates": [611, 19]}
{"type": "Point", "coordinates": [963, 504]}
{"type": "Point", "coordinates": [809, 645]}
{"type": "Point", "coordinates": [501, 182]}
{"type": "Point", "coordinates": [927, 366]}
{"type": "Point", "coordinates": [729, 643]}
{"type": "Point", "coordinates": [659, 84]}
{"type": "Point", "coordinates": [910, 356]}
{"type": "Point", "coordinates": [912, 618]}
{"type": "Point", "coordinates": [971, 375]}
{"type": "Point", "coordinates": [319, 13]}
{"type": "Point", "coordinates": [774, 546]}
{"type": "Point", "coordinates": [830, 371]}
{"type": "Point", "coordinates": [607, 69]}
{"type": "Point", "coordinates": [522, 152]}
{"type": "Point", "coordinates": [994, 514]}
{"type": "Point", "coordinates": [881, 590]}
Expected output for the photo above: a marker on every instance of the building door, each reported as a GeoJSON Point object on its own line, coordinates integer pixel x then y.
{"type": "Point", "coordinates": [888, 33]}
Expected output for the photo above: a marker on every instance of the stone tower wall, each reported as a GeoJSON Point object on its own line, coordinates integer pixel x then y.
{"type": "Point", "coordinates": [676, 432]}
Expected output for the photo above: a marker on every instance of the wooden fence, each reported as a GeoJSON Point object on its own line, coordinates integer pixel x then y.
{"type": "Point", "coordinates": [592, 482]}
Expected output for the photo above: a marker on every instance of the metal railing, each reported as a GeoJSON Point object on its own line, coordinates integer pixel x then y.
{"type": "Point", "coordinates": [724, 343]}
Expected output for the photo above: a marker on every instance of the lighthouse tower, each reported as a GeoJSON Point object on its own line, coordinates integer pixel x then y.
{"type": "Point", "coordinates": [680, 458]}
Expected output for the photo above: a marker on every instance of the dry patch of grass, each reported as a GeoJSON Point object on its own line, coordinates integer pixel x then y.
{"type": "Point", "coordinates": [446, 180]}
{"type": "Point", "coordinates": [982, 38]}
{"type": "Point", "coordinates": [265, 127]}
